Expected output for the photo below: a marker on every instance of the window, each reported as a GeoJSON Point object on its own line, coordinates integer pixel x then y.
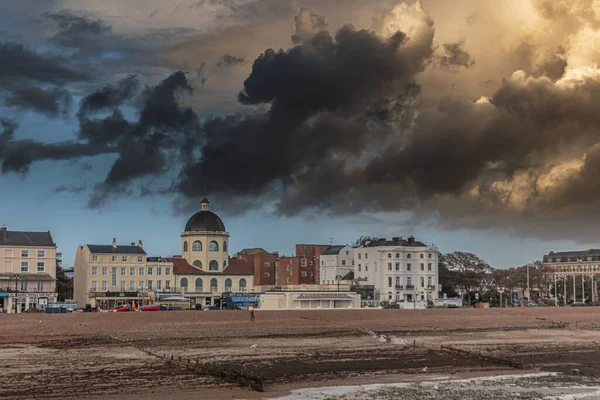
{"type": "Point", "coordinates": [352, 262]}
{"type": "Point", "coordinates": [158, 285]}
{"type": "Point", "coordinates": [213, 246]}
{"type": "Point", "coordinates": [40, 286]}
{"type": "Point", "coordinates": [150, 285]}
{"type": "Point", "coordinates": [397, 255]}
{"type": "Point", "coordinates": [311, 274]}
{"type": "Point", "coordinates": [304, 262]}
{"type": "Point", "coordinates": [287, 267]}
{"type": "Point", "coordinates": [267, 265]}
{"type": "Point", "coordinates": [23, 286]}
{"type": "Point", "coordinates": [123, 271]}
{"type": "Point", "coordinates": [366, 267]}
{"type": "Point", "coordinates": [422, 282]}
{"type": "Point", "coordinates": [149, 271]}
{"type": "Point", "coordinates": [408, 255]}
{"type": "Point", "coordinates": [228, 285]}
{"type": "Point", "coordinates": [267, 274]}
{"type": "Point", "coordinates": [409, 281]}
{"type": "Point", "coordinates": [287, 281]}
{"type": "Point", "coordinates": [104, 271]}
{"type": "Point", "coordinates": [428, 266]}
{"type": "Point", "coordinates": [183, 283]}
{"type": "Point", "coordinates": [123, 286]}
{"type": "Point", "coordinates": [214, 286]}
{"type": "Point", "coordinates": [389, 266]}
{"type": "Point", "coordinates": [132, 286]}
{"type": "Point", "coordinates": [322, 262]}
{"type": "Point", "coordinates": [422, 267]}
{"type": "Point", "coordinates": [132, 271]}
{"type": "Point", "coordinates": [359, 256]}
{"type": "Point", "coordinates": [199, 285]}
{"type": "Point", "coordinates": [142, 271]}
{"type": "Point", "coordinates": [185, 246]}
{"type": "Point", "coordinates": [408, 267]}
{"type": "Point", "coordinates": [124, 258]}
{"type": "Point", "coordinates": [141, 285]}
{"type": "Point", "coordinates": [94, 271]}
{"type": "Point", "coordinates": [94, 258]}
{"type": "Point", "coordinates": [114, 258]}
{"type": "Point", "coordinates": [389, 255]}
{"type": "Point", "coordinates": [197, 263]}
{"type": "Point", "coordinates": [168, 271]}
{"type": "Point", "coordinates": [389, 281]}
{"type": "Point", "coordinates": [94, 286]}
{"type": "Point", "coordinates": [104, 286]}
{"type": "Point", "coordinates": [397, 266]}
{"type": "Point", "coordinates": [140, 259]}
{"type": "Point", "coordinates": [213, 266]}
{"type": "Point", "coordinates": [197, 246]}
{"type": "Point", "coordinates": [397, 282]}
{"type": "Point", "coordinates": [224, 246]}
{"type": "Point", "coordinates": [366, 256]}
{"type": "Point", "coordinates": [224, 264]}
{"type": "Point", "coordinates": [167, 285]}
{"type": "Point", "coordinates": [429, 256]}
{"type": "Point", "coordinates": [41, 253]}
{"type": "Point", "coordinates": [359, 267]}
{"type": "Point", "coordinates": [421, 255]}
{"type": "Point", "coordinates": [347, 253]}
{"type": "Point", "coordinates": [303, 273]}
{"type": "Point", "coordinates": [242, 284]}
{"type": "Point", "coordinates": [343, 262]}
{"type": "Point", "coordinates": [41, 266]}
{"type": "Point", "coordinates": [113, 277]}
{"type": "Point", "coordinates": [429, 281]}
{"type": "Point", "coordinates": [159, 271]}
{"type": "Point", "coordinates": [24, 253]}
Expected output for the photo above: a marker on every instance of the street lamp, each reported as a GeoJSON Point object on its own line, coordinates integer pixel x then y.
{"type": "Point", "coordinates": [16, 292]}
{"type": "Point", "coordinates": [338, 277]}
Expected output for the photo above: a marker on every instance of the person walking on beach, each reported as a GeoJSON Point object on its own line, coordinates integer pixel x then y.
{"type": "Point", "coordinates": [252, 314]}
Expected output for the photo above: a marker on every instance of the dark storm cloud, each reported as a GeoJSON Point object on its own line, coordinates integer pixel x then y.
{"type": "Point", "coordinates": [230, 61]}
{"type": "Point", "coordinates": [454, 57]}
{"type": "Point", "coordinates": [72, 28]}
{"type": "Point", "coordinates": [19, 63]}
{"type": "Point", "coordinates": [70, 189]}
{"type": "Point", "coordinates": [109, 96]}
{"type": "Point", "coordinates": [52, 102]}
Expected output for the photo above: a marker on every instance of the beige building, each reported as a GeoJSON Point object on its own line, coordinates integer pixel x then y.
{"type": "Point", "coordinates": [27, 270]}
{"type": "Point", "coordinates": [205, 270]}
{"type": "Point", "coordinates": [302, 300]}
{"type": "Point", "coordinates": [111, 275]}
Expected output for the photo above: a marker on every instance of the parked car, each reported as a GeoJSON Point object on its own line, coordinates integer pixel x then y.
{"type": "Point", "coordinates": [209, 308]}
{"type": "Point", "coordinates": [577, 304]}
{"type": "Point", "coordinates": [153, 307]}
{"type": "Point", "coordinates": [122, 308]}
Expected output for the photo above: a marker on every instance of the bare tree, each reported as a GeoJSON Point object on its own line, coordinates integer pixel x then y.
{"type": "Point", "coordinates": [471, 271]}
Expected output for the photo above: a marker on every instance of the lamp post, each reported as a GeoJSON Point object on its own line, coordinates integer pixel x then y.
{"type": "Point", "coordinates": [338, 277]}
{"type": "Point", "coordinates": [16, 293]}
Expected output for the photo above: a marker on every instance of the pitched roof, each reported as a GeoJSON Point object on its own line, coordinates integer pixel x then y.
{"type": "Point", "coordinates": [235, 266]}
{"type": "Point", "coordinates": [349, 276]}
{"type": "Point", "coordinates": [109, 249]}
{"type": "Point", "coordinates": [18, 238]}
{"type": "Point", "coordinates": [399, 243]}
{"type": "Point", "coordinates": [332, 250]}
{"type": "Point", "coordinates": [254, 250]}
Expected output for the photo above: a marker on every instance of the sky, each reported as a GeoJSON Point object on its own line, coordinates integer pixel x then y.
{"type": "Point", "coordinates": [470, 124]}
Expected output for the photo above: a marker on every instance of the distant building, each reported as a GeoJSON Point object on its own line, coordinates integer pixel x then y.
{"type": "Point", "coordinates": [263, 264]}
{"type": "Point", "coordinates": [27, 270]}
{"type": "Point", "coordinates": [295, 271]}
{"type": "Point", "coordinates": [398, 269]}
{"type": "Point", "coordinates": [311, 253]}
{"type": "Point", "coordinates": [205, 270]}
{"type": "Point", "coordinates": [572, 266]}
{"type": "Point", "coordinates": [335, 264]}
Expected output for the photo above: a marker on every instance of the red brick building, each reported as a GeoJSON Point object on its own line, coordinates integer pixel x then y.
{"type": "Point", "coordinates": [295, 271]}
{"type": "Point", "coordinates": [311, 252]}
{"type": "Point", "coordinates": [263, 263]}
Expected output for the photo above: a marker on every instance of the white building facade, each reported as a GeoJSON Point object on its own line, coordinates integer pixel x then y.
{"type": "Point", "coordinates": [399, 270]}
{"type": "Point", "coordinates": [335, 263]}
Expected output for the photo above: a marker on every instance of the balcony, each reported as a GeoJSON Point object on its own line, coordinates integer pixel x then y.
{"type": "Point", "coordinates": [430, 287]}
{"type": "Point", "coordinates": [410, 287]}
{"type": "Point", "coordinates": [401, 287]}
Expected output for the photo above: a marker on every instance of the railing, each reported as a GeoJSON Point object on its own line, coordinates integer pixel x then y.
{"type": "Point", "coordinates": [410, 287]}
{"type": "Point", "coordinates": [399, 286]}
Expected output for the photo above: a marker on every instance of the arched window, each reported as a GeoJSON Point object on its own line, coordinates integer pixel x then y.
{"type": "Point", "coordinates": [224, 246]}
{"type": "Point", "coordinates": [198, 263]}
{"type": "Point", "coordinates": [183, 283]}
{"type": "Point", "coordinates": [213, 266]}
{"type": "Point", "coordinates": [397, 255]}
{"type": "Point", "coordinates": [389, 255]}
{"type": "Point", "coordinates": [197, 246]}
{"type": "Point", "coordinates": [242, 284]}
{"type": "Point", "coordinates": [213, 246]}
{"type": "Point", "coordinates": [199, 285]}
{"type": "Point", "coordinates": [429, 255]}
{"type": "Point", "coordinates": [185, 246]}
{"type": "Point", "coordinates": [224, 264]}
{"type": "Point", "coordinates": [213, 285]}
{"type": "Point", "coordinates": [228, 285]}
{"type": "Point", "coordinates": [422, 255]}
{"type": "Point", "coordinates": [408, 255]}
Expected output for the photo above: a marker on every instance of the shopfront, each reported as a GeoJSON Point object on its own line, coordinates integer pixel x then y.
{"type": "Point", "coordinates": [21, 302]}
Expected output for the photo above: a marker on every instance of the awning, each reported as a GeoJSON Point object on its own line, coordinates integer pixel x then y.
{"type": "Point", "coordinates": [324, 296]}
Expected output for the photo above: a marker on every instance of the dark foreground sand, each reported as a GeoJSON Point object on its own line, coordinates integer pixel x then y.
{"type": "Point", "coordinates": [121, 355]}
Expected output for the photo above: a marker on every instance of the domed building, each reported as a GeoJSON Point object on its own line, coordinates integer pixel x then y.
{"type": "Point", "coordinates": [205, 270]}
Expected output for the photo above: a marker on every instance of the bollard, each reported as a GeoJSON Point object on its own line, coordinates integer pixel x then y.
{"type": "Point", "coordinates": [171, 357]}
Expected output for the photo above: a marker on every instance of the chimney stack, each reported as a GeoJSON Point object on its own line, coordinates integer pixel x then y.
{"type": "Point", "coordinates": [114, 243]}
{"type": "Point", "coordinates": [140, 244]}
{"type": "Point", "coordinates": [4, 232]}
{"type": "Point", "coordinates": [133, 243]}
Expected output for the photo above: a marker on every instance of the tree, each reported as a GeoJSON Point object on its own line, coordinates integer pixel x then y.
{"type": "Point", "coordinates": [64, 284]}
{"type": "Point", "coordinates": [448, 279]}
{"type": "Point", "coordinates": [471, 271]}
{"type": "Point", "coordinates": [363, 240]}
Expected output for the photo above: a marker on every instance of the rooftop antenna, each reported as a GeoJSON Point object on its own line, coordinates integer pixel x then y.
{"type": "Point", "coordinates": [331, 241]}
